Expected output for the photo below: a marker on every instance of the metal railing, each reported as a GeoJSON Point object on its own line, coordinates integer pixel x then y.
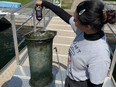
{"type": "Point", "coordinates": [113, 63]}
{"type": "Point", "coordinates": [46, 14]}
{"type": "Point", "coordinates": [112, 5]}
{"type": "Point", "coordinates": [14, 30]}
{"type": "Point", "coordinates": [58, 2]}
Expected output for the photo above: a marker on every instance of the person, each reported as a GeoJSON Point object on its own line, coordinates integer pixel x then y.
{"type": "Point", "coordinates": [89, 55]}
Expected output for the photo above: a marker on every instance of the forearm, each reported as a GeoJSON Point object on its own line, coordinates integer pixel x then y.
{"type": "Point", "coordinates": [58, 11]}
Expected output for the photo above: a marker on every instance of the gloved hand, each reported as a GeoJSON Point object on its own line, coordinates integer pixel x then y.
{"type": "Point", "coordinates": [38, 9]}
{"type": "Point", "coordinates": [38, 3]}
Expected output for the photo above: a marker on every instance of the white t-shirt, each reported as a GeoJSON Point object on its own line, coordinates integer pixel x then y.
{"type": "Point", "coordinates": [88, 59]}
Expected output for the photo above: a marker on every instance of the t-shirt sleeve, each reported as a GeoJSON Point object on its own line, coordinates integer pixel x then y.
{"type": "Point", "coordinates": [98, 70]}
{"type": "Point", "coordinates": [75, 29]}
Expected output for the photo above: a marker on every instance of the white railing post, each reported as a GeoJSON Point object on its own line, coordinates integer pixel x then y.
{"type": "Point", "coordinates": [15, 38]}
{"type": "Point", "coordinates": [50, 13]}
{"type": "Point", "coordinates": [44, 19]}
{"type": "Point", "coordinates": [34, 20]}
{"type": "Point", "coordinates": [60, 3]}
{"type": "Point", "coordinates": [112, 64]}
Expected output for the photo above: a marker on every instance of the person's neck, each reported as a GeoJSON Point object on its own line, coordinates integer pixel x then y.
{"type": "Point", "coordinates": [91, 31]}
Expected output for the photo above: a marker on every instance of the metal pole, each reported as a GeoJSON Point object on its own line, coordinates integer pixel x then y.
{"type": "Point", "coordinates": [59, 65]}
{"type": "Point", "coordinates": [50, 13]}
{"type": "Point", "coordinates": [112, 64]}
{"type": "Point", "coordinates": [34, 20]}
{"type": "Point", "coordinates": [60, 3]}
{"type": "Point", "coordinates": [15, 38]}
{"type": "Point", "coordinates": [44, 17]}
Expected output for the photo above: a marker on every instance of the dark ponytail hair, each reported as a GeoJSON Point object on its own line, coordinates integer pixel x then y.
{"type": "Point", "coordinates": [109, 16]}
{"type": "Point", "coordinates": [91, 12]}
